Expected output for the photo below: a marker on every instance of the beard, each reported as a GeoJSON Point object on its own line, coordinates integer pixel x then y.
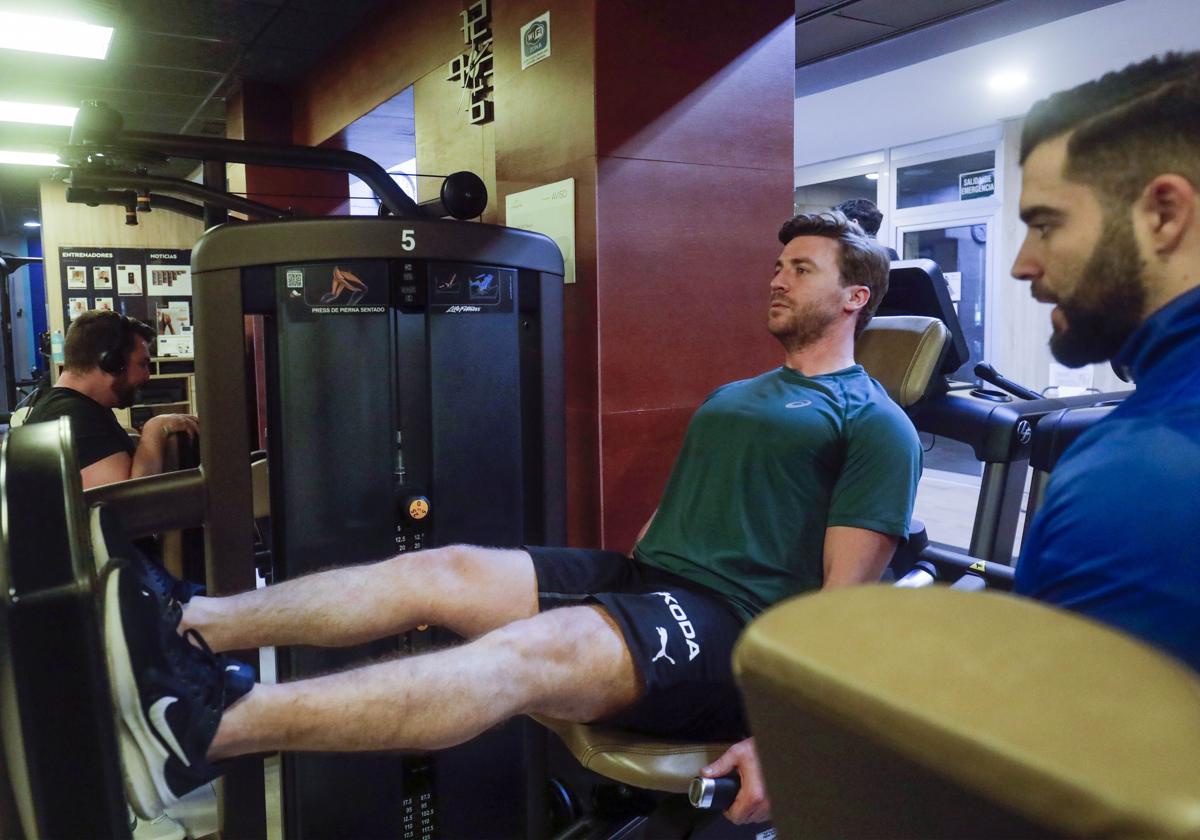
{"type": "Point", "coordinates": [1108, 302]}
{"type": "Point", "coordinates": [126, 393]}
{"type": "Point", "coordinates": [801, 327]}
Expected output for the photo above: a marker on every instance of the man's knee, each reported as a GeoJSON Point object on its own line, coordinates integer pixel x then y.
{"type": "Point", "coordinates": [459, 565]}
{"type": "Point", "coordinates": [578, 661]}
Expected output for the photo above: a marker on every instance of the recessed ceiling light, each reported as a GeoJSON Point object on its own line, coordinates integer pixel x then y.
{"type": "Point", "coordinates": [30, 158]}
{"type": "Point", "coordinates": [56, 36]}
{"type": "Point", "coordinates": [33, 224]}
{"type": "Point", "coordinates": [872, 176]}
{"type": "Point", "coordinates": [27, 112]}
{"type": "Point", "coordinates": [1007, 81]}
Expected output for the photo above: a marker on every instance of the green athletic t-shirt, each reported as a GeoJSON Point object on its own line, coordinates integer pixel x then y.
{"type": "Point", "coordinates": [767, 465]}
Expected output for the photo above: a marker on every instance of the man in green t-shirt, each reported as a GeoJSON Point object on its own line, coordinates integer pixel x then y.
{"type": "Point", "coordinates": [797, 479]}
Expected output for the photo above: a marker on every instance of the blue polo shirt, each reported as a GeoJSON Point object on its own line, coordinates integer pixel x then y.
{"type": "Point", "coordinates": [1118, 537]}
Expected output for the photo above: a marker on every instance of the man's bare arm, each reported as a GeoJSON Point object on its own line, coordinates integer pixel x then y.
{"type": "Point", "coordinates": [645, 528]}
{"type": "Point", "coordinates": [116, 467]}
{"type": "Point", "coordinates": [852, 555]}
{"type": "Point", "coordinates": [856, 555]}
{"type": "Point", "coordinates": [148, 459]}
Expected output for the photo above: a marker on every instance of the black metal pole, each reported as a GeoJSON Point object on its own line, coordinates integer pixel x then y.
{"type": "Point", "coordinates": [10, 371]}
{"type": "Point", "coordinates": [214, 179]}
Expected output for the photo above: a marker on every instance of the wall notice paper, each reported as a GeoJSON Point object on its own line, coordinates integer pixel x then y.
{"type": "Point", "coordinates": [104, 304]}
{"type": "Point", "coordinates": [549, 210]}
{"type": "Point", "coordinates": [535, 40]}
{"type": "Point", "coordinates": [76, 277]}
{"type": "Point", "coordinates": [1071, 382]}
{"type": "Point", "coordinates": [129, 279]}
{"type": "Point", "coordinates": [174, 345]}
{"type": "Point", "coordinates": [174, 323]}
{"type": "Point", "coordinates": [101, 277]}
{"type": "Point", "coordinates": [169, 280]}
{"type": "Point", "coordinates": [76, 306]}
{"type": "Point", "coordinates": [954, 284]}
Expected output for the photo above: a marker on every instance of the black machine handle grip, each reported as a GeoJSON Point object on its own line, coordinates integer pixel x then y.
{"type": "Point", "coordinates": [989, 375]}
{"type": "Point", "coordinates": [714, 794]}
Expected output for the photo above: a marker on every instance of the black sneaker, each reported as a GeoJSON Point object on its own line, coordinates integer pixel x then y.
{"type": "Point", "coordinates": [238, 676]}
{"type": "Point", "coordinates": [109, 541]}
{"type": "Point", "coordinates": [169, 695]}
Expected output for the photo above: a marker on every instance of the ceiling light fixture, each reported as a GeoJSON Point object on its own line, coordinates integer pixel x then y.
{"type": "Point", "coordinates": [28, 112]}
{"type": "Point", "coordinates": [1007, 81]}
{"type": "Point", "coordinates": [30, 158]}
{"type": "Point", "coordinates": [33, 224]}
{"type": "Point", "coordinates": [56, 36]}
{"type": "Point", "coordinates": [872, 176]}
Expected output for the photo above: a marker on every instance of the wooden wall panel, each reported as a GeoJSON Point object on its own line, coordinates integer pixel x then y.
{"type": "Point", "coordinates": [447, 142]}
{"type": "Point", "coordinates": [694, 139]}
{"type": "Point", "coordinates": [545, 114]}
{"type": "Point", "coordinates": [404, 41]}
{"type": "Point", "coordinates": [686, 253]}
{"type": "Point", "coordinates": [545, 132]}
{"type": "Point", "coordinates": [104, 226]}
{"type": "Point", "coordinates": [263, 113]}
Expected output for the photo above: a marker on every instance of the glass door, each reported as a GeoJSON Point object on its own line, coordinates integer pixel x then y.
{"type": "Point", "coordinates": [961, 249]}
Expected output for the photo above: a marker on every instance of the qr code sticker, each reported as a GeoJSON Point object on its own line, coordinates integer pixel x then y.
{"type": "Point", "coordinates": [295, 279]}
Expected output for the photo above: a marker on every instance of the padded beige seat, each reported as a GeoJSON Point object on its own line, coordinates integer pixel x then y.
{"type": "Point", "coordinates": [939, 713]}
{"type": "Point", "coordinates": [636, 760]}
{"type": "Point", "coordinates": [904, 353]}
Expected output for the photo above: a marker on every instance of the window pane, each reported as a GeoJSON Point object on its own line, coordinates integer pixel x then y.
{"type": "Point", "coordinates": [814, 198]}
{"type": "Point", "coordinates": [936, 182]}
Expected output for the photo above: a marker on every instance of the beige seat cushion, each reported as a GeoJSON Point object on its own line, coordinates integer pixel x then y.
{"type": "Point", "coordinates": [903, 352]}
{"type": "Point", "coordinates": [928, 712]}
{"type": "Point", "coordinates": [636, 760]}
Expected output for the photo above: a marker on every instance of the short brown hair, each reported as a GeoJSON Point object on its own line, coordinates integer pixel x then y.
{"type": "Point", "coordinates": [861, 260]}
{"type": "Point", "coordinates": [1126, 127]}
{"type": "Point", "coordinates": [97, 332]}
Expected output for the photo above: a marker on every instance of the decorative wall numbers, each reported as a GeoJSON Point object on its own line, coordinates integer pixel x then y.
{"type": "Point", "coordinates": [473, 69]}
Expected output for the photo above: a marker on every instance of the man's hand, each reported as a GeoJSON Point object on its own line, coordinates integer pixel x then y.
{"type": "Point", "coordinates": [162, 425]}
{"type": "Point", "coordinates": [751, 805]}
{"type": "Point", "coordinates": [148, 459]}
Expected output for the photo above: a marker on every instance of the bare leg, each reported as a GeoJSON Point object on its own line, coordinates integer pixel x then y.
{"type": "Point", "coordinates": [570, 663]}
{"type": "Point", "coordinates": [466, 589]}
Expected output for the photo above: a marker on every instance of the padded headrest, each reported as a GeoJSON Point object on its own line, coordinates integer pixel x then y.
{"type": "Point", "coordinates": [904, 353]}
{"type": "Point", "coordinates": [930, 712]}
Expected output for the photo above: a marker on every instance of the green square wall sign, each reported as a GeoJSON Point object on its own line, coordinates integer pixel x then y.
{"type": "Point", "coordinates": [535, 40]}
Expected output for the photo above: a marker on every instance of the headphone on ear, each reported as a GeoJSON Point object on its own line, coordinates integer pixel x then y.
{"type": "Point", "coordinates": [112, 360]}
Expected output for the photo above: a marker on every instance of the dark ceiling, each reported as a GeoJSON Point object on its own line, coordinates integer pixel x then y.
{"type": "Point", "coordinates": [825, 28]}
{"type": "Point", "coordinates": [173, 63]}
{"type": "Point", "coordinates": [170, 68]}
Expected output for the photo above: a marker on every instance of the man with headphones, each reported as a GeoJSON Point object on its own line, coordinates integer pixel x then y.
{"type": "Point", "coordinates": [107, 359]}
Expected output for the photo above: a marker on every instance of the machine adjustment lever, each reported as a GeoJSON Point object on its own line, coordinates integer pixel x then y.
{"type": "Point", "coordinates": [714, 794]}
{"type": "Point", "coordinates": [989, 374]}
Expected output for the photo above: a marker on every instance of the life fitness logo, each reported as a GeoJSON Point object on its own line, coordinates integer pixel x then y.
{"type": "Point", "coordinates": [1024, 432]}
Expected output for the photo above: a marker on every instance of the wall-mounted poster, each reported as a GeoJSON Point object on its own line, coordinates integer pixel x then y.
{"type": "Point", "coordinates": [174, 318]}
{"type": "Point", "coordinates": [129, 279]}
{"type": "Point", "coordinates": [168, 280]}
{"type": "Point", "coordinates": [137, 282]}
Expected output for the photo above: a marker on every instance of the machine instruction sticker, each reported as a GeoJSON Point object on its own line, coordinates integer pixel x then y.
{"type": "Point", "coordinates": [346, 288]}
{"type": "Point", "coordinates": [458, 289]}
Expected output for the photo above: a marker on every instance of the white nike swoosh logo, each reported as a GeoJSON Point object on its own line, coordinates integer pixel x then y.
{"type": "Point", "coordinates": [158, 717]}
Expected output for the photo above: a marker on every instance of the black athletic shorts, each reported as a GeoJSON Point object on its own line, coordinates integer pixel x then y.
{"type": "Point", "coordinates": [681, 635]}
